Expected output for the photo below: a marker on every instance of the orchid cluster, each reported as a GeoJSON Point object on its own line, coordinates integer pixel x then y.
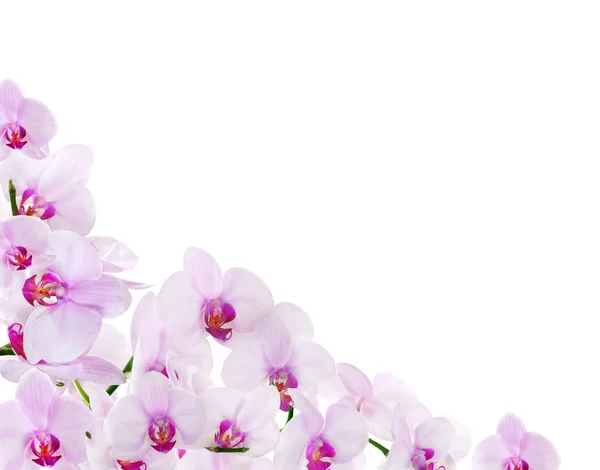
{"type": "Point", "coordinates": [281, 400]}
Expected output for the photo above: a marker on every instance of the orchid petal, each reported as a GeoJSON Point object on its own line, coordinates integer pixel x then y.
{"type": "Point", "coordinates": [311, 363]}
{"type": "Point", "coordinates": [511, 430]}
{"type": "Point", "coordinates": [205, 271]}
{"type": "Point", "coordinates": [346, 431]}
{"type": "Point", "coordinates": [539, 452]}
{"type": "Point", "coordinates": [153, 392]}
{"type": "Point", "coordinates": [187, 414]}
{"type": "Point", "coordinates": [38, 121]}
{"type": "Point", "coordinates": [126, 427]}
{"type": "Point", "coordinates": [246, 367]}
{"type": "Point", "coordinates": [28, 232]}
{"type": "Point", "coordinates": [355, 381]}
{"type": "Point", "coordinates": [436, 434]}
{"type": "Point", "coordinates": [276, 340]}
{"type": "Point", "coordinates": [10, 99]}
{"type": "Point", "coordinates": [297, 321]}
{"type": "Point", "coordinates": [76, 212]}
{"type": "Point", "coordinates": [259, 407]}
{"type": "Point", "coordinates": [263, 439]}
{"type": "Point", "coordinates": [490, 454]}
{"type": "Point", "coordinates": [35, 392]}
{"type": "Point", "coordinates": [289, 453]}
{"type": "Point", "coordinates": [116, 256]}
{"type": "Point", "coordinates": [108, 296]}
{"type": "Point", "coordinates": [69, 421]}
{"type": "Point", "coordinates": [77, 260]}
{"type": "Point", "coordinates": [69, 170]}
{"type": "Point", "coordinates": [97, 370]}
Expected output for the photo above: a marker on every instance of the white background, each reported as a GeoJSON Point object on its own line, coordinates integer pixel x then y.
{"type": "Point", "coordinates": [421, 177]}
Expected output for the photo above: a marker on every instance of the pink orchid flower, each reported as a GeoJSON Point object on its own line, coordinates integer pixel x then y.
{"type": "Point", "coordinates": [238, 421]}
{"type": "Point", "coordinates": [99, 451]}
{"type": "Point", "coordinates": [26, 125]}
{"type": "Point", "coordinates": [206, 460]}
{"type": "Point", "coordinates": [152, 352]}
{"type": "Point", "coordinates": [54, 189]}
{"type": "Point", "coordinates": [41, 428]}
{"type": "Point", "coordinates": [422, 442]}
{"type": "Point", "coordinates": [71, 297]}
{"type": "Point", "coordinates": [21, 239]}
{"type": "Point", "coordinates": [281, 355]}
{"type": "Point", "coordinates": [200, 300]}
{"type": "Point", "coordinates": [159, 416]}
{"type": "Point", "coordinates": [375, 401]}
{"type": "Point", "coordinates": [513, 448]}
{"type": "Point", "coordinates": [316, 443]}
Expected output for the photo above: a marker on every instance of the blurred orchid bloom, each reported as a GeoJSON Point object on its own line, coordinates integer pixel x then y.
{"type": "Point", "coordinates": [281, 354]}
{"type": "Point", "coordinates": [316, 443]}
{"type": "Point", "coordinates": [375, 401]}
{"type": "Point", "coordinates": [238, 421]}
{"type": "Point", "coordinates": [99, 451]}
{"type": "Point", "coordinates": [513, 448]}
{"type": "Point", "coordinates": [206, 460]}
{"type": "Point", "coordinates": [71, 297]}
{"type": "Point", "coordinates": [422, 442]}
{"type": "Point", "coordinates": [200, 300]}
{"type": "Point", "coordinates": [21, 239]}
{"type": "Point", "coordinates": [54, 189]}
{"type": "Point", "coordinates": [26, 125]}
{"type": "Point", "coordinates": [151, 342]}
{"type": "Point", "coordinates": [40, 428]}
{"type": "Point", "coordinates": [159, 416]}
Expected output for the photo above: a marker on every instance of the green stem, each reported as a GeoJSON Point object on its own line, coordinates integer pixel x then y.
{"type": "Point", "coordinates": [13, 198]}
{"type": "Point", "coordinates": [82, 392]}
{"type": "Point", "coordinates": [232, 450]}
{"type": "Point", "coordinates": [7, 351]}
{"type": "Point", "coordinates": [113, 388]}
{"type": "Point", "coordinates": [290, 415]}
{"type": "Point", "coordinates": [384, 450]}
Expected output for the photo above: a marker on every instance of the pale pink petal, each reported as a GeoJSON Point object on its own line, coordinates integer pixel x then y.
{"type": "Point", "coordinates": [249, 296]}
{"type": "Point", "coordinates": [311, 363]}
{"type": "Point", "coordinates": [220, 403]}
{"type": "Point", "coordinates": [390, 390]}
{"type": "Point", "coordinates": [378, 418]}
{"type": "Point", "coordinates": [126, 426]}
{"type": "Point", "coordinates": [511, 430]}
{"type": "Point", "coordinates": [135, 285]}
{"type": "Point", "coordinates": [146, 327]}
{"type": "Point", "coordinates": [263, 439]}
{"type": "Point", "coordinates": [346, 431]}
{"type": "Point", "coordinates": [187, 414]}
{"type": "Point", "coordinates": [490, 454]}
{"type": "Point", "coordinates": [38, 121]}
{"type": "Point", "coordinates": [246, 367]}
{"type": "Point", "coordinates": [10, 99]}
{"type": "Point", "coordinates": [75, 212]}
{"type": "Point", "coordinates": [70, 169]}
{"type": "Point", "coordinates": [61, 372]}
{"type": "Point", "coordinates": [410, 414]}
{"type": "Point", "coordinates": [4, 152]}
{"type": "Point", "coordinates": [179, 302]}
{"type": "Point", "coordinates": [77, 260]}
{"type": "Point", "coordinates": [7, 273]}
{"type": "Point", "coordinates": [539, 452]}
{"type": "Point", "coordinates": [205, 271]}
{"type": "Point", "coordinates": [276, 340]}
{"type": "Point", "coordinates": [69, 422]}
{"type": "Point", "coordinates": [355, 381]}
{"type": "Point", "coordinates": [15, 433]}
{"type": "Point", "coordinates": [12, 368]}
{"type": "Point", "coordinates": [436, 434]}
{"type": "Point", "coordinates": [35, 392]}
{"type": "Point", "coordinates": [153, 392]}
{"type": "Point", "coordinates": [107, 295]}
{"type": "Point", "coordinates": [461, 443]}
{"type": "Point", "coordinates": [297, 321]}
{"type": "Point", "coordinates": [115, 255]}
{"type": "Point", "coordinates": [24, 172]}
{"type": "Point", "coordinates": [61, 334]}
{"type": "Point", "coordinates": [99, 371]}
{"type": "Point", "coordinates": [35, 153]}
{"type": "Point", "coordinates": [309, 415]}
{"type": "Point", "coordinates": [399, 457]}
{"type": "Point", "coordinates": [112, 346]}
{"type": "Point", "coordinates": [289, 453]}
{"type": "Point", "coordinates": [260, 406]}
{"type": "Point", "coordinates": [29, 232]}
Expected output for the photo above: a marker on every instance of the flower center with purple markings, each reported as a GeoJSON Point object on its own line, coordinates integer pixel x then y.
{"type": "Point", "coordinates": [34, 205]}
{"type": "Point", "coordinates": [14, 134]}
{"type": "Point", "coordinates": [129, 465]}
{"type": "Point", "coordinates": [283, 380]}
{"type": "Point", "coordinates": [19, 258]}
{"type": "Point", "coordinates": [15, 336]}
{"type": "Point", "coordinates": [44, 447]}
{"type": "Point", "coordinates": [229, 435]}
{"type": "Point", "coordinates": [316, 451]}
{"type": "Point", "coordinates": [516, 463]}
{"type": "Point", "coordinates": [158, 367]}
{"type": "Point", "coordinates": [47, 292]}
{"type": "Point", "coordinates": [217, 315]}
{"type": "Point", "coordinates": [422, 460]}
{"type": "Point", "coordinates": [162, 433]}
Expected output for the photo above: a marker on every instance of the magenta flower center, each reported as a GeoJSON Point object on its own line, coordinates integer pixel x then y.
{"type": "Point", "coordinates": [229, 435]}
{"type": "Point", "coordinates": [14, 135]}
{"type": "Point", "coordinates": [47, 292]}
{"type": "Point", "coordinates": [217, 315]}
{"type": "Point", "coordinates": [44, 447]}
{"type": "Point", "coordinates": [516, 463]}
{"type": "Point", "coordinates": [34, 205]}
{"type": "Point", "coordinates": [319, 454]}
{"type": "Point", "coordinates": [18, 257]}
{"type": "Point", "coordinates": [422, 459]}
{"type": "Point", "coordinates": [15, 336]}
{"type": "Point", "coordinates": [129, 465]}
{"type": "Point", "coordinates": [162, 433]}
{"type": "Point", "coordinates": [158, 366]}
{"type": "Point", "coordinates": [283, 380]}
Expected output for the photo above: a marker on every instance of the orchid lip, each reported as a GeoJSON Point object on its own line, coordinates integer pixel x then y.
{"type": "Point", "coordinates": [129, 465]}
{"type": "Point", "coordinates": [15, 336]}
{"type": "Point", "coordinates": [47, 292]}
{"type": "Point", "coordinates": [217, 315]}
{"type": "Point", "coordinates": [283, 380]}
{"type": "Point", "coordinates": [14, 135]}
{"type": "Point", "coordinates": [162, 433]}
{"type": "Point", "coordinates": [44, 447]}
{"type": "Point", "coordinates": [229, 435]}
{"type": "Point", "coordinates": [318, 450]}
{"type": "Point", "coordinates": [34, 205]}
{"type": "Point", "coordinates": [19, 257]}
